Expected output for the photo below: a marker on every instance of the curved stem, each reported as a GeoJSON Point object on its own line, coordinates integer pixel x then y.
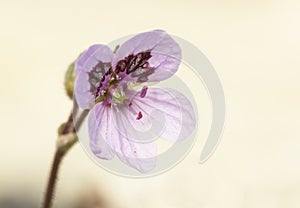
{"type": "Point", "coordinates": [69, 127]}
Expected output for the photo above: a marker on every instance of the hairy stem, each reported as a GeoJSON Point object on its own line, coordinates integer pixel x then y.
{"type": "Point", "coordinates": [53, 177]}
{"type": "Point", "coordinates": [68, 128]}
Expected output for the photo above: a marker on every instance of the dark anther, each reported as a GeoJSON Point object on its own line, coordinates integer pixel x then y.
{"type": "Point", "coordinates": [144, 92]}
{"type": "Point", "coordinates": [139, 116]}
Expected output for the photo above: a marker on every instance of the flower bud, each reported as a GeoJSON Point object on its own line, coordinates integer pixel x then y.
{"type": "Point", "coordinates": [61, 129]}
{"type": "Point", "coordinates": [66, 140]}
{"type": "Point", "coordinates": [69, 80]}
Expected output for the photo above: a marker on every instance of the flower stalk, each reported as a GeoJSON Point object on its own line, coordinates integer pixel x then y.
{"type": "Point", "coordinates": [53, 178]}
{"type": "Point", "coordinates": [66, 139]}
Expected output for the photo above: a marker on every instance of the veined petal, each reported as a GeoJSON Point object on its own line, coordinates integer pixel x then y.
{"type": "Point", "coordinates": [106, 140]}
{"type": "Point", "coordinates": [174, 118]}
{"type": "Point", "coordinates": [92, 73]}
{"type": "Point", "coordinates": [100, 131]}
{"type": "Point", "coordinates": [140, 155]}
{"type": "Point", "coordinates": [149, 56]}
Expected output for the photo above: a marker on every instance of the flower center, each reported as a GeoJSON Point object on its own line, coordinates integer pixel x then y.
{"type": "Point", "coordinates": [103, 80]}
{"type": "Point", "coordinates": [118, 96]}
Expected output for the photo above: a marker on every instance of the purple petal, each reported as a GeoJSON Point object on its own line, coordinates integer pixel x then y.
{"type": "Point", "coordinates": [140, 155]}
{"type": "Point", "coordinates": [105, 139]}
{"type": "Point", "coordinates": [83, 96]}
{"type": "Point", "coordinates": [99, 131]}
{"type": "Point", "coordinates": [149, 56]}
{"type": "Point", "coordinates": [170, 114]}
{"type": "Point", "coordinates": [91, 57]}
{"type": "Point", "coordinates": [92, 69]}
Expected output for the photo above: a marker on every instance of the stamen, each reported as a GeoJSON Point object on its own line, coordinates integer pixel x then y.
{"type": "Point", "coordinates": [144, 92]}
{"type": "Point", "coordinates": [139, 116]}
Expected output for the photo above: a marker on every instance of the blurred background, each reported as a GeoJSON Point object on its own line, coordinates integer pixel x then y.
{"type": "Point", "coordinates": [254, 46]}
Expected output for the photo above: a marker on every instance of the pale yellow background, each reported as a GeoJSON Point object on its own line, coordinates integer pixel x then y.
{"type": "Point", "coordinates": [253, 45]}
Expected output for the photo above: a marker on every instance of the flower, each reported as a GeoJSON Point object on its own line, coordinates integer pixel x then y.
{"type": "Point", "coordinates": [123, 121]}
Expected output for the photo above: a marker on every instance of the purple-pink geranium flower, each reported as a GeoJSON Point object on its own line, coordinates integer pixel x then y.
{"type": "Point", "coordinates": [121, 120]}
